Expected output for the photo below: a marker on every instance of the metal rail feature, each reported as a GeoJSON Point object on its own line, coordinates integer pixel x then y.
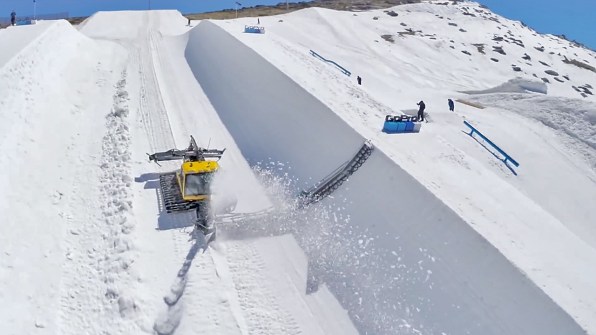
{"type": "Point", "coordinates": [507, 157]}
{"type": "Point", "coordinates": [341, 68]}
{"type": "Point", "coordinates": [336, 178]}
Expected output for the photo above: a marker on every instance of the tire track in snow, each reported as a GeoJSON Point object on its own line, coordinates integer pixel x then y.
{"type": "Point", "coordinates": [152, 108]}
{"type": "Point", "coordinates": [160, 137]}
{"type": "Point", "coordinates": [198, 301]}
{"type": "Point", "coordinates": [169, 320]}
{"type": "Point", "coordinates": [167, 323]}
{"type": "Point", "coordinates": [209, 294]}
{"type": "Point", "coordinates": [213, 305]}
{"type": "Point", "coordinates": [260, 308]}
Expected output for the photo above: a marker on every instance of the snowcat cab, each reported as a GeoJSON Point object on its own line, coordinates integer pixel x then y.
{"type": "Point", "coordinates": [194, 179]}
{"type": "Point", "coordinates": [190, 187]}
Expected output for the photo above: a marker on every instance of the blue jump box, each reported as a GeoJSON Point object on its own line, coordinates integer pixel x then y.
{"type": "Point", "coordinates": [401, 124]}
{"type": "Point", "coordinates": [254, 29]}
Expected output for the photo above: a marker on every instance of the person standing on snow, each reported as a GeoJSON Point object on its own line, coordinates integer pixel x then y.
{"type": "Point", "coordinates": [451, 104]}
{"type": "Point", "coordinates": [359, 80]}
{"type": "Point", "coordinates": [13, 18]}
{"type": "Point", "coordinates": [421, 110]}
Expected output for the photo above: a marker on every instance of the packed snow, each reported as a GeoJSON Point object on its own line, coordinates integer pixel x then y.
{"type": "Point", "coordinates": [433, 234]}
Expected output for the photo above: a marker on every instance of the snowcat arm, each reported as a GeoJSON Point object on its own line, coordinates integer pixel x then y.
{"type": "Point", "coordinates": [192, 153]}
{"type": "Point", "coordinates": [170, 155]}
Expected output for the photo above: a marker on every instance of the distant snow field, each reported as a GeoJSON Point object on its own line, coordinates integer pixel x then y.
{"type": "Point", "coordinates": [433, 234]}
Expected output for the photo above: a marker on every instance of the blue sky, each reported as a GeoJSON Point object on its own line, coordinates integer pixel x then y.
{"type": "Point", "coordinates": [88, 7]}
{"type": "Point", "coordinates": [574, 18]}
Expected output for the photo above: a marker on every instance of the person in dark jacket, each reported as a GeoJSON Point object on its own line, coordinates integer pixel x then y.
{"type": "Point", "coordinates": [421, 110]}
{"type": "Point", "coordinates": [451, 104]}
{"type": "Point", "coordinates": [13, 18]}
{"type": "Point", "coordinates": [359, 80]}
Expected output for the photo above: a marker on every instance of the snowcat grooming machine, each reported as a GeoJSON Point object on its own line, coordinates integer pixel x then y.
{"type": "Point", "coordinates": [190, 187]}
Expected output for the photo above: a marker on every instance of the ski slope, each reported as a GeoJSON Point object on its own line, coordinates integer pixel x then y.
{"type": "Point", "coordinates": [432, 235]}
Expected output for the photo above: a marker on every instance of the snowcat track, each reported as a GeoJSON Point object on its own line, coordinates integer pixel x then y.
{"type": "Point", "coordinates": [171, 196]}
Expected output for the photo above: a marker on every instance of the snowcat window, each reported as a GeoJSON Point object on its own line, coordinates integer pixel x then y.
{"type": "Point", "coordinates": [197, 184]}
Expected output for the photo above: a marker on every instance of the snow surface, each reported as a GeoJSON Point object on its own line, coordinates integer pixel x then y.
{"type": "Point", "coordinates": [434, 234]}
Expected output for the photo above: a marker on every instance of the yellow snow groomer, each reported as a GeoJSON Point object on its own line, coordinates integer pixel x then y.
{"type": "Point", "coordinates": [190, 187]}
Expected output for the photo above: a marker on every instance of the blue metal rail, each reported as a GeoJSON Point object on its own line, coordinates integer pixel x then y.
{"type": "Point", "coordinates": [341, 68]}
{"type": "Point", "coordinates": [507, 157]}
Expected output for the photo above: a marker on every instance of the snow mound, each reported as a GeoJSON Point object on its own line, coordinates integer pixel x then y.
{"type": "Point", "coordinates": [52, 49]}
{"type": "Point", "coordinates": [19, 37]}
{"type": "Point", "coordinates": [50, 112]}
{"type": "Point", "coordinates": [572, 117]}
{"type": "Point", "coordinates": [131, 24]}
{"type": "Point", "coordinates": [517, 85]}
